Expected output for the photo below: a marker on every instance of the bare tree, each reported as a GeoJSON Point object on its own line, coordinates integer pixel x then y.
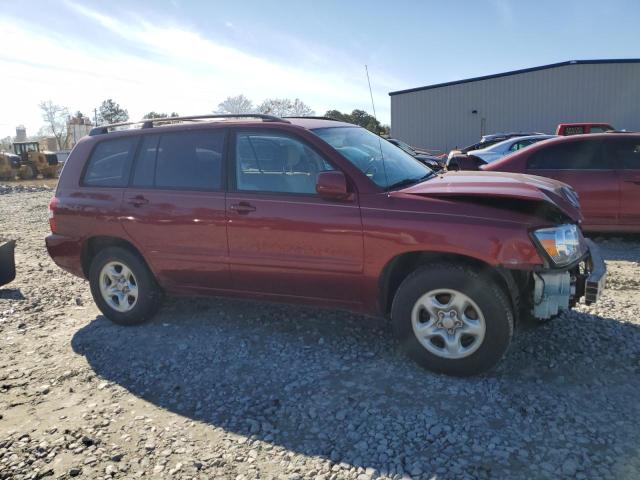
{"type": "Point", "coordinates": [55, 117]}
{"type": "Point", "coordinates": [235, 105]}
{"type": "Point", "coordinates": [5, 144]}
{"type": "Point", "coordinates": [301, 109]}
{"type": "Point", "coordinates": [283, 107]}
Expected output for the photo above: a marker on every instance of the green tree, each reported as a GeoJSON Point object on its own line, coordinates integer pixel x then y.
{"type": "Point", "coordinates": [152, 115]}
{"type": "Point", "coordinates": [360, 118]}
{"type": "Point", "coordinates": [111, 112]}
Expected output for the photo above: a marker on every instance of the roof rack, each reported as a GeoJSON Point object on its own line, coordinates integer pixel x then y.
{"type": "Point", "coordinates": [149, 123]}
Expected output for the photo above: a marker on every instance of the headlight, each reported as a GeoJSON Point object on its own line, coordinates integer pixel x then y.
{"type": "Point", "coordinates": [563, 244]}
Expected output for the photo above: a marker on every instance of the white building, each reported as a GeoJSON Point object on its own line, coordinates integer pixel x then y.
{"type": "Point", "coordinates": [77, 127]}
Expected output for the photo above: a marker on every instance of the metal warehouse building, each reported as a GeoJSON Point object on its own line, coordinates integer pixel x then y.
{"type": "Point", "coordinates": [456, 114]}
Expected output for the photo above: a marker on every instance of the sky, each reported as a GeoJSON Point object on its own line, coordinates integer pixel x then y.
{"type": "Point", "coordinates": [188, 56]}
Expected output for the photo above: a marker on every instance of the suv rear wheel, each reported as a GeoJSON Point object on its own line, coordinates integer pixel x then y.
{"type": "Point", "coordinates": [452, 319]}
{"type": "Point", "coordinates": [123, 287]}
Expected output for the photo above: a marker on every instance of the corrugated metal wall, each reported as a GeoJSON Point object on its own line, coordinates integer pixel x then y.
{"type": "Point", "coordinates": [441, 118]}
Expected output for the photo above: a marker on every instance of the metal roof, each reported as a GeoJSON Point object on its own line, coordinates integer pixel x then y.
{"type": "Point", "coordinates": [517, 72]}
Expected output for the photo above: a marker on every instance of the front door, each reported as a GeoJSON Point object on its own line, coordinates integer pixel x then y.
{"type": "Point", "coordinates": [283, 238]}
{"type": "Point", "coordinates": [582, 165]}
{"type": "Point", "coordinates": [174, 208]}
{"type": "Point", "coordinates": [627, 153]}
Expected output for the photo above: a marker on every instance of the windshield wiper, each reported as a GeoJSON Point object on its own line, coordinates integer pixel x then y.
{"type": "Point", "coordinates": [409, 181]}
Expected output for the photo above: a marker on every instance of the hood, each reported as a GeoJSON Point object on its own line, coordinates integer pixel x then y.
{"type": "Point", "coordinates": [499, 185]}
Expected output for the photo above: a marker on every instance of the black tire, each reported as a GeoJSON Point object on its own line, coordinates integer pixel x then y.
{"type": "Point", "coordinates": [490, 298]}
{"type": "Point", "coordinates": [149, 294]}
{"type": "Point", "coordinates": [27, 172]}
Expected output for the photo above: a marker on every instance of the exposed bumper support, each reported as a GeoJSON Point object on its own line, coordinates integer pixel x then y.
{"type": "Point", "coordinates": [595, 282]}
{"type": "Point", "coordinates": [552, 293]}
{"type": "Point", "coordinates": [555, 291]}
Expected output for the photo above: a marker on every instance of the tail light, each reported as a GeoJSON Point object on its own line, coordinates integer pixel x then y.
{"type": "Point", "coordinates": [53, 204]}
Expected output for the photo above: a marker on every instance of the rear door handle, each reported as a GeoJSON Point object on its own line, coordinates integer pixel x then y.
{"type": "Point", "coordinates": [242, 208]}
{"type": "Point", "coordinates": [137, 201]}
{"type": "Point", "coordinates": [635, 180]}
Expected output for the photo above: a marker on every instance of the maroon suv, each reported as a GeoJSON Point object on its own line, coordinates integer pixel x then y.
{"type": "Point", "coordinates": [325, 213]}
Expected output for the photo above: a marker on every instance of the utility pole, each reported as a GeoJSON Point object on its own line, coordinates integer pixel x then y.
{"type": "Point", "coordinates": [95, 116]}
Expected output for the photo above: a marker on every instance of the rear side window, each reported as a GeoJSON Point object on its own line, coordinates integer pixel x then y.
{"type": "Point", "coordinates": [574, 130]}
{"type": "Point", "coordinates": [110, 163]}
{"type": "Point", "coordinates": [583, 155]}
{"type": "Point", "coordinates": [181, 160]}
{"type": "Point", "coordinates": [145, 171]}
{"type": "Point", "coordinates": [520, 145]}
{"type": "Point", "coordinates": [626, 153]}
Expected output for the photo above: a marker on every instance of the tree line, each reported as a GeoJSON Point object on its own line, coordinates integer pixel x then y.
{"type": "Point", "coordinates": [56, 117]}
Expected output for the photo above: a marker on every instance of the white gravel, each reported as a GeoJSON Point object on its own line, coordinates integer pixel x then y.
{"type": "Point", "coordinates": [231, 389]}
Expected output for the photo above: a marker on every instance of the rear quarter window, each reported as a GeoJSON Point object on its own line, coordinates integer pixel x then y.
{"type": "Point", "coordinates": [573, 130]}
{"type": "Point", "coordinates": [110, 163]}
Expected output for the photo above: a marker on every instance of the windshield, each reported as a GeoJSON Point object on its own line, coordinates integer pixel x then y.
{"type": "Point", "coordinates": [406, 147]}
{"type": "Point", "coordinates": [367, 151]}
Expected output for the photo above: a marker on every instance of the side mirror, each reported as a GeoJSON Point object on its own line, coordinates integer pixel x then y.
{"type": "Point", "coordinates": [332, 185]}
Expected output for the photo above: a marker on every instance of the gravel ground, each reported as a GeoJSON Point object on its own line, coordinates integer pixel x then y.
{"type": "Point", "coordinates": [229, 389]}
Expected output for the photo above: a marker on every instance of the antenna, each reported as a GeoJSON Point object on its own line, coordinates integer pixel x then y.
{"type": "Point", "coordinates": [373, 105]}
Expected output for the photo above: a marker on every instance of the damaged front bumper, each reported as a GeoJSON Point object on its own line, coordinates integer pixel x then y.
{"type": "Point", "coordinates": [555, 291]}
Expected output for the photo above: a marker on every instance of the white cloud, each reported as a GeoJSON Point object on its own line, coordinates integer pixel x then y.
{"type": "Point", "coordinates": [180, 70]}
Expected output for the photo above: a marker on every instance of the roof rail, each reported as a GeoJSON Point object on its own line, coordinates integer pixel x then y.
{"type": "Point", "coordinates": [149, 123]}
{"type": "Point", "coordinates": [313, 117]}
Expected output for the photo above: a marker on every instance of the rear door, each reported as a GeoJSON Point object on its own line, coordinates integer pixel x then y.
{"type": "Point", "coordinates": [582, 165]}
{"type": "Point", "coordinates": [174, 208]}
{"type": "Point", "coordinates": [94, 207]}
{"type": "Point", "coordinates": [626, 151]}
{"type": "Point", "coordinates": [283, 238]}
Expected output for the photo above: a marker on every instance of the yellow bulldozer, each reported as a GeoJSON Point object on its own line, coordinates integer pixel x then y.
{"type": "Point", "coordinates": [9, 166]}
{"type": "Point", "coordinates": [34, 162]}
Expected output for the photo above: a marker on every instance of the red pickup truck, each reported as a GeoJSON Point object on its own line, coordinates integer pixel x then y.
{"type": "Point", "coordinates": [580, 128]}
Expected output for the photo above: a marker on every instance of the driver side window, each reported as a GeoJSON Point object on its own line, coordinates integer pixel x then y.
{"type": "Point", "coordinates": [275, 162]}
{"type": "Point", "coordinates": [520, 145]}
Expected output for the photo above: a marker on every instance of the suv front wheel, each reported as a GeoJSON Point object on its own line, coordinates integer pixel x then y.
{"type": "Point", "coordinates": [123, 287]}
{"type": "Point", "coordinates": [452, 319]}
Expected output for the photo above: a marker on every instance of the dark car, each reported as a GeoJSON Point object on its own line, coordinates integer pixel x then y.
{"type": "Point", "coordinates": [319, 212]}
{"type": "Point", "coordinates": [604, 169]}
{"type": "Point", "coordinates": [432, 161]}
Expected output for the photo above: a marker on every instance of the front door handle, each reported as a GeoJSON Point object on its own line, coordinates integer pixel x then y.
{"type": "Point", "coordinates": [137, 201]}
{"type": "Point", "coordinates": [242, 208]}
{"type": "Point", "coordinates": [635, 180]}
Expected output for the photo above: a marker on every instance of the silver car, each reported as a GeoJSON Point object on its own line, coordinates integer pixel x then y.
{"type": "Point", "coordinates": [501, 149]}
